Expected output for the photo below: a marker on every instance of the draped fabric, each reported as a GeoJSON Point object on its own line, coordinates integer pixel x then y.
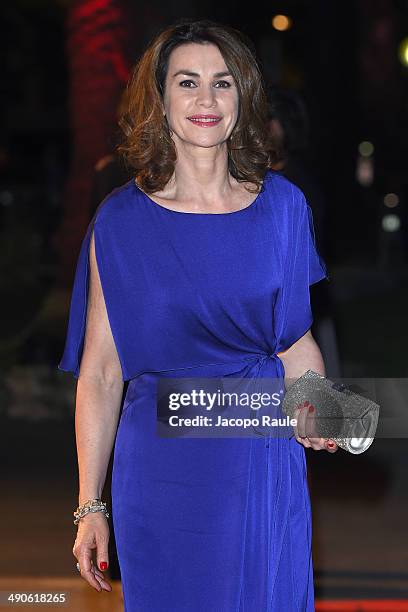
{"type": "Point", "coordinates": [212, 523]}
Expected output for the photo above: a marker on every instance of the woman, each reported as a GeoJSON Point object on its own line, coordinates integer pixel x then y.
{"type": "Point", "coordinates": [200, 267]}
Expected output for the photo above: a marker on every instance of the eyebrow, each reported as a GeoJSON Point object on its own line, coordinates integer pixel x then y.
{"type": "Point", "coordinates": [195, 74]}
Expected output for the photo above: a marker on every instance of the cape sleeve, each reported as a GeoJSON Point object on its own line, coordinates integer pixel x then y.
{"type": "Point", "coordinates": [303, 266]}
{"type": "Point", "coordinates": [74, 341]}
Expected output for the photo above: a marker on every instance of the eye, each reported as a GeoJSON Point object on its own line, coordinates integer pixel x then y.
{"type": "Point", "coordinates": [223, 84]}
{"type": "Point", "coordinates": [183, 84]}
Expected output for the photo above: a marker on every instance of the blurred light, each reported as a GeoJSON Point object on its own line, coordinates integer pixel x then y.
{"type": "Point", "coordinates": [281, 22]}
{"type": "Point", "coordinates": [365, 171]}
{"type": "Point", "coordinates": [391, 200]}
{"type": "Point", "coordinates": [391, 223]}
{"type": "Point", "coordinates": [403, 52]}
{"type": "Point", "coordinates": [366, 148]}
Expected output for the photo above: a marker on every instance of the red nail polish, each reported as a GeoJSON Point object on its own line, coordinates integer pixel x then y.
{"type": "Point", "coordinates": [103, 565]}
{"type": "Point", "coordinates": [311, 408]}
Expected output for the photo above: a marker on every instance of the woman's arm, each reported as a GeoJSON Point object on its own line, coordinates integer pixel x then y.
{"type": "Point", "coordinates": [305, 355]}
{"type": "Point", "coordinates": [98, 402]}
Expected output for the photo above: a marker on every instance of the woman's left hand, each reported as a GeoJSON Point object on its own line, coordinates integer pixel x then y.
{"type": "Point", "coordinates": [305, 430]}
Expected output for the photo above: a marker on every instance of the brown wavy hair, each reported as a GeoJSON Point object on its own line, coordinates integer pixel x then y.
{"type": "Point", "coordinates": [147, 146]}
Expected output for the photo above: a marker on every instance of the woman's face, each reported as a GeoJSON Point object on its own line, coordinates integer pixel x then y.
{"type": "Point", "coordinates": [200, 96]}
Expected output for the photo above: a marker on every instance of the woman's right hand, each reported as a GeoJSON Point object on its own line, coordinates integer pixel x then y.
{"type": "Point", "coordinates": [93, 533]}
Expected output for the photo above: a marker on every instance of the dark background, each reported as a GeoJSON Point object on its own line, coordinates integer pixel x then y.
{"type": "Point", "coordinates": [64, 67]}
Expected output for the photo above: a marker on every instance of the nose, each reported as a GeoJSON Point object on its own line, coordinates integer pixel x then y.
{"type": "Point", "coordinates": [206, 96]}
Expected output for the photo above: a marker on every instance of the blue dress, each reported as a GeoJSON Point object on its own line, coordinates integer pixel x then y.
{"type": "Point", "coordinates": [204, 524]}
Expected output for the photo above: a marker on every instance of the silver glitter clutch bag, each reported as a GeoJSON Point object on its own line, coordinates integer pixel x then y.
{"type": "Point", "coordinates": [340, 414]}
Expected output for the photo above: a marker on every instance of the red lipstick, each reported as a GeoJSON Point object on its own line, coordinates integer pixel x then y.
{"type": "Point", "coordinates": [205, 120]}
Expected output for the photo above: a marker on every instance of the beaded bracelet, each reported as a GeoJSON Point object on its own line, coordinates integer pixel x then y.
{"type": "Point", "coordinates": [92, 505]}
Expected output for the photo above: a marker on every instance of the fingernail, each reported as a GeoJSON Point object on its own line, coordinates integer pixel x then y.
{"type": "Point", "coordinates": [311, 408]}
{"type": "Point", "coordinates": [103, 565]}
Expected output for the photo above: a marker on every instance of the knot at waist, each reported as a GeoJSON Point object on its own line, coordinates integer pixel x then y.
{"type": "Point", "coordinates": [269, 365]}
